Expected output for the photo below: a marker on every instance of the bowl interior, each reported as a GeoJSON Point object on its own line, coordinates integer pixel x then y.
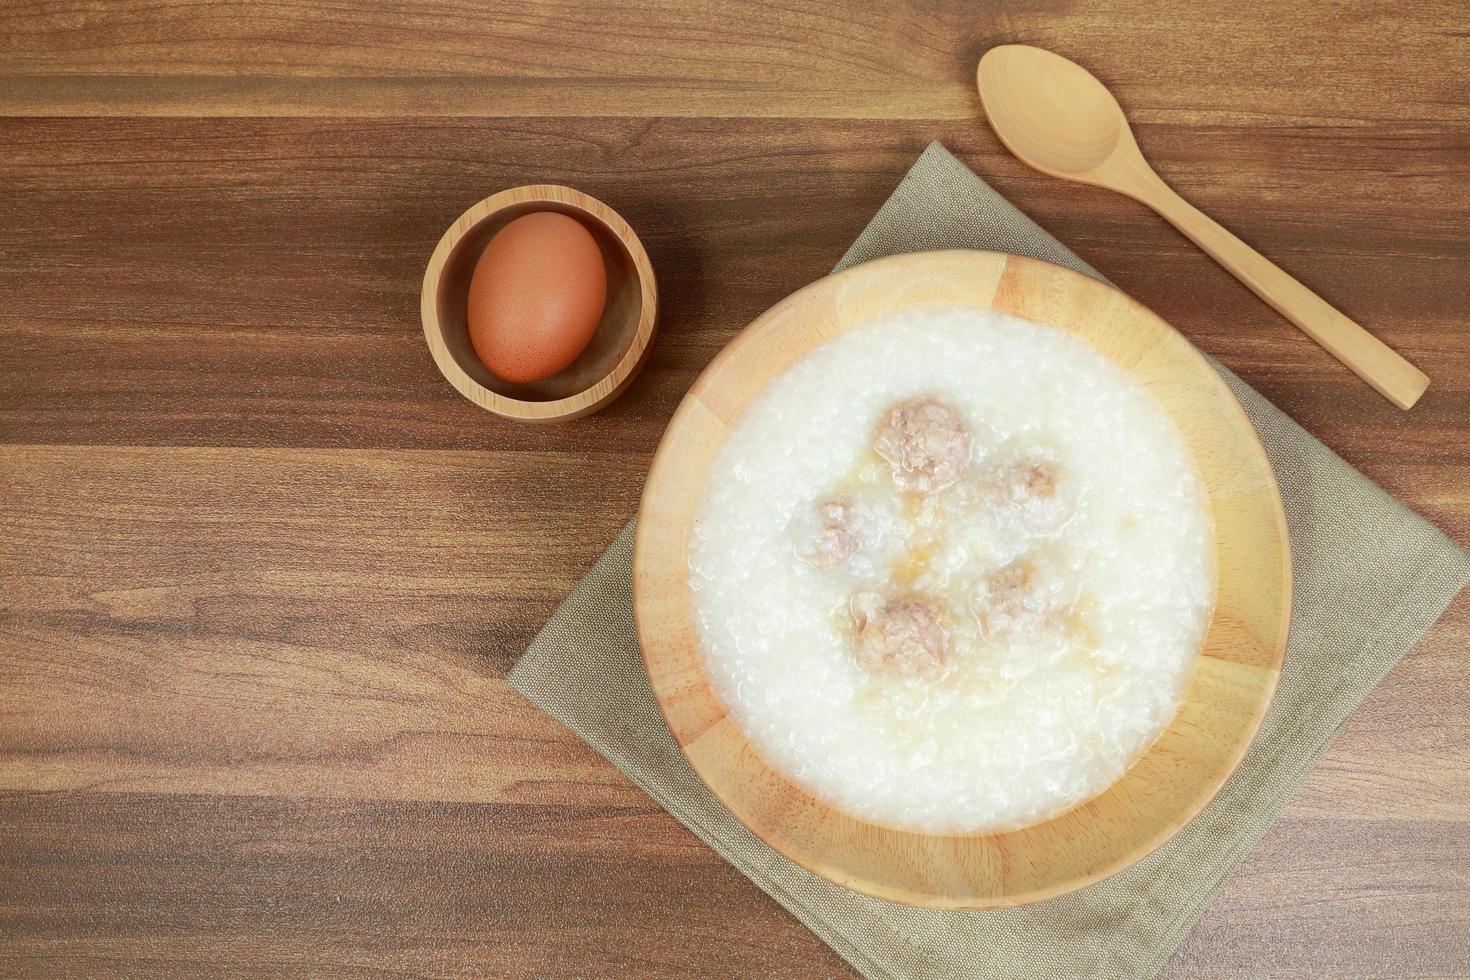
{"type": "Point", "coordinates": [1234, 675]}
{"type": "Point", "coordinates": [615, 333]}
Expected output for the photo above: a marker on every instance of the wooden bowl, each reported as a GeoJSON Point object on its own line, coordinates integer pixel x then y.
{"type": "Point", "coordinates": [618, 348]}
{"type": "Point", "coordinates": [1235, 672]}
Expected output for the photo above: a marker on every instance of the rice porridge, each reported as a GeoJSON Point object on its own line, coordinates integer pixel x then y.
{"type": "Point", "coordinates": [950, 571]}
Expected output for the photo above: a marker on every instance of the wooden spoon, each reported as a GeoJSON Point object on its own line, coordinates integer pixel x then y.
{"type": "Point", "coordinates": [1058, 118]}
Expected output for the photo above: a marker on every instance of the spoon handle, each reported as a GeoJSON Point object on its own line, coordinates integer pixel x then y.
{"type": "Point", "coordinates": [1368, 357]}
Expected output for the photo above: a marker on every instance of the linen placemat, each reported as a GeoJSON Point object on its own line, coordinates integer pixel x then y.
{"type": "Point", "coordinates": [1371, 578]}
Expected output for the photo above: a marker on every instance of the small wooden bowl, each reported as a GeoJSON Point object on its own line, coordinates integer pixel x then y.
{"type": "Point", "coordinates": [1235, 672]}
{"type": "Point", "coordinates": [618, 348]}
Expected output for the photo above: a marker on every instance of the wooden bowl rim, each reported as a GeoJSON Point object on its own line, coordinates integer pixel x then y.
{"type": "Point", "coordinates": [599, 393]}
{"type": "Point", "coordinates": [1207, 375]}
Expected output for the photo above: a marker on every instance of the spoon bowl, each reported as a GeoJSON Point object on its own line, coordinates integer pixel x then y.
{"type": "Point", "coordinates": [1051, 112]}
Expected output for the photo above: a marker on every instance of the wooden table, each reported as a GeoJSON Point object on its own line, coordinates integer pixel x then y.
{"type": "Point", "coordinates": [262, 571]}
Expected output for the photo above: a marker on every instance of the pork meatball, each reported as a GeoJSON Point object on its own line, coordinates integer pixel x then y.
{"type": "Point", "coordinates": [852, 533]}
{"type": "Point", "coordinates": [842, 531]}
{"type": "Point", "coordinates": [901, 636]}
{"type": "Point", "coordinates": [1029, 595]}
{"type": "Point", "coordinates": [926, 443]}
{"type": "Point", "coordinates": [1027, 489]}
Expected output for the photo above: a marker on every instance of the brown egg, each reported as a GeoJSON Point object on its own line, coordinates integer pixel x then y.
{"type": "Point", "coordinates": [536, 296]}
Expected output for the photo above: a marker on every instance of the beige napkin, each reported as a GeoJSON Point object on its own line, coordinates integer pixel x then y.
{"type": "Point", "coordinates": [1371, 577]}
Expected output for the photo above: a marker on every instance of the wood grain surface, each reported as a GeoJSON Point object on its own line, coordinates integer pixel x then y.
{"type": "Point", "coordinates": [262, 570]}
